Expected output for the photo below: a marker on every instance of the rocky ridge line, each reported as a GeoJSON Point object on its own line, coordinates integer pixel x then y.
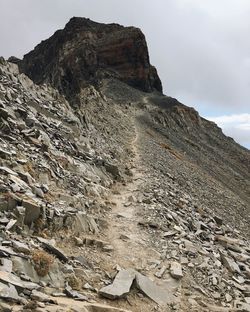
{"type": "Point", "coordinates": [128, 196]}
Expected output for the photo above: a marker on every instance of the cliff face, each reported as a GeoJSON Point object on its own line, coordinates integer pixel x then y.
{"type": "Point", "coordinates": [85, 52]}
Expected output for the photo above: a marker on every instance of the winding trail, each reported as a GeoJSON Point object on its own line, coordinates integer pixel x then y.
{"type": "Point", "coordinates": [131, 244]}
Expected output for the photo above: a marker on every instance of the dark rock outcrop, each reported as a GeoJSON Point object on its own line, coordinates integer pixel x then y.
{"type": "Point", "coordinates": [85, 52]}
{"type": "Point", "coordinates": [14, 60]}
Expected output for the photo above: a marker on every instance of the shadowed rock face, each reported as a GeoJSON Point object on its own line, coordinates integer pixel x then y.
{"type": "Point", "coordinates": [85, 52]}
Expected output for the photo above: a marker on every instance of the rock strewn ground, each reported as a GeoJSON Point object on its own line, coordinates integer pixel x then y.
{"type": "Point", "coordinates": [124, 182]}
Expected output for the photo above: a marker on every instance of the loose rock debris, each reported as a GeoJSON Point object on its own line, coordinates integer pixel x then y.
{"type": "Point", "coordinates": [63, 245]}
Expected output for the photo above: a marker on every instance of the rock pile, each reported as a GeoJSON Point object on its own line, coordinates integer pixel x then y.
{"type": "Point", "coordinates": [51, 180]}
{"type": "Point", "coordinates": [196, 245]}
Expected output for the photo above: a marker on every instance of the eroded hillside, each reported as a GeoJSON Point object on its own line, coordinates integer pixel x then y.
{"type": "Point", "coordinates": [113, 198]}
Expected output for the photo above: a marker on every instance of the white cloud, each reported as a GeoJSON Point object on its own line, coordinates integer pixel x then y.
{"type": "Point", "coordinates": [236, 126]}
{"type": "Point", "coordinates": [231, 119]}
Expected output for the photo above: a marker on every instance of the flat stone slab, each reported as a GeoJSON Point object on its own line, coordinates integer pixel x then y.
{"type": "Point", "coordinates": [41, 297]}
{"type": "Point", "coordinates": [6, 252]}
{"type": "Point", "coordinates": [162, 295]}
{"type": "Point", "coordinates": [176, 270]}
{"type": "Point", "coordinates": [14, 280]}
{"type": "Point", "coordinates": [32, 211]}
{"type": "Point", "coordinates": [66, 304]}
{"type": "Point", "coordinates": [6, 170]}
{"type": "Point", "coordinates": [6, 265]}
{"type": "Point", "coordinates": [56, 251]}
{"type": "Point", "coordinates": [75, 294]}
{"type": "Point", "coordinates": [230, 264]}
{"type": "Point", "coordinates": [55, 277]}
{"type": "Point", "coordinates": [21, 247]}
{"type": "Point", "coordinates": [120, 286]}
{"type": "Point", "coordinates": [8, 292]}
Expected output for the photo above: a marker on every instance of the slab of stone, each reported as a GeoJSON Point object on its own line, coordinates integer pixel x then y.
{"type": "Point", "coordinates": [176, 270]}
{"type": "Point", "coordinates": [103, 308]}
{"type": "Point", "coordinates": [75, 294]}
{"type": "Point", "coordinates": [14, 280]}
{"type": "Point", "coordinates": [10, 224]}
{"type": "Point", "coordinates": [8, 292]}
{"type": "Point", "coordinates": [120, 286]}
{"type": "Point", "coordinates": [21, 247]}
{"type": "Point", "coordinates": [78, 241]}
{"type": "Point", "coordinates": [55, 277]}
{"type": "Point", "coordinates": [247, 300]}
{"type": "Point", "coordinates": [189, 247]}
{"type": "Point", "coordinates": [218, 220]}
{"type": "Point", "coordinates": [56, 251]}
{"type": "Point", "coordinates": [230, 264]}
{"type": "Point", "coordinates": [4, 154]}
{"type": "Point", "coordinates": [161, 295]}
{"type": "Point", "coordinates": [26, 177]}
{"type": "Point", "coordinates": [4, 113]}
{"type": "Point", "coordinates": [6, 251]}
{"type": "Point", "coordinates": [83, 223]}
{"type": "Point", "coordinates": [4, 220]}
{"type": "Point", "coordinates": [32, 211]}
{"type": "Point", "coordinates": [84, 262]}
{"type": "Point", "coordinates": [41, 297]}
{"type": "Point", "coordinates": [225, 240]}
{"type": "Point", "coordinates": [19, 182]}
{"type": "Point", "coordinates": [6, 265]}
{"type": "Point", "coordinates": [13, 201]}
{"type": "Point", "coordinates": [6, 170]}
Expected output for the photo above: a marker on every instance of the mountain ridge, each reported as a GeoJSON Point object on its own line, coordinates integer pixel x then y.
{"type": "Point", "coordinates": [133, 201]}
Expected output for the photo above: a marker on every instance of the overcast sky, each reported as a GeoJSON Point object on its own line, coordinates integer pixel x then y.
{"type": "Point", "coordinates": [201, 48]}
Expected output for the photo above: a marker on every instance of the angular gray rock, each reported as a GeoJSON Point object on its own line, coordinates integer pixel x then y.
{"type": "Point", "coordinates": [56, 251]}
{"type": "Point", "coordinates": [21, 247]}
{"type": "Point", "coordinates": [14, 280]}
{"type": "Point", "coordinates": [75, 294]}
{"type": "Point", "coordinates": [9, 292]}
{"type": "Point", "coordinates": [230, 264]}
{"type": "Point", "coordinates": [176, 270]}
{"type": "Point", "coordinates": [120, 286]}
{"type": "Point", "coordinates": [160, 295]}
{"type": "Point", "coordinates": [32, 212]}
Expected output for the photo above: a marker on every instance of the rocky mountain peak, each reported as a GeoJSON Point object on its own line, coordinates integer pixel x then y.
{"type": "Point", "coordinates": [85, 52]}
{"type": "Point", "coordinates": [129, 201]}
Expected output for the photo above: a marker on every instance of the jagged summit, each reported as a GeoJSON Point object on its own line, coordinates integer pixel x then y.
{"type": "Point", "coordinates": [85, 51]}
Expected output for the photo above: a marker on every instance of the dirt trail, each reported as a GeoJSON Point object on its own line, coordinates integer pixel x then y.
{"type": "Point", "coordinates": [131, 244]}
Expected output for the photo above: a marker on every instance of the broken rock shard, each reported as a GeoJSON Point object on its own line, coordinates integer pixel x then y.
{"type": "Point", "coordinates": [120, 286]}
{"type": "Point", "coordinates": [160, 295]}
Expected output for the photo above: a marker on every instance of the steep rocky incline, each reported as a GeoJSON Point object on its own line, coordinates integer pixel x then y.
{"type": "Point", "coordinates": [56, 170]}
{"type": "Point", "coordinates": [226, 186]}
{"type": "Point", "coordinates": [85, 51]}
{"type": "Point", "coordinates": [114, 197]}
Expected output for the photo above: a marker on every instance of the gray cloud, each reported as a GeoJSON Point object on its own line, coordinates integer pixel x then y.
{"type": "Point", "coordinates": [236, 126]}
{"type": "Point", "coordinates": [200, 48]}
